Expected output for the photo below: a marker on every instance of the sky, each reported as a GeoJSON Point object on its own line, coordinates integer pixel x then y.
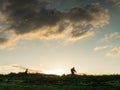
{"type": "Point", "coordinates": [52, 36]}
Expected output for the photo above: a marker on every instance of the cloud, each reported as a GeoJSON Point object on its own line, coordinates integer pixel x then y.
{"type": "Point", "coordinates": [80, 35]}
{"type": "Point", "coordinates": [6, 69]}
{"type": "Point", "coordinates": [4, 42]}
{"type": "Point", "coordinates": [101, 48]}
{"type": "Point", "coordinates": [113, 2]}
{"type": "Point", "coordinates": [116, 2]}
{"type": "Point", "coordinates": [114, 51]}
{"type": "Point", "coordinates": [114, 35]}
{"type": "Point", "coordinates": [29, 70]}
{"type": "Point", "coordinates": [93, 14]}
{"type": "Point", "coordinates": [30, 19]}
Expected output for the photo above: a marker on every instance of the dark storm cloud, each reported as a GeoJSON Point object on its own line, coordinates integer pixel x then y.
{"type": "Point", "coordinates": [27, 15]}
{"type": "Point", "coordinates": [35, 18]}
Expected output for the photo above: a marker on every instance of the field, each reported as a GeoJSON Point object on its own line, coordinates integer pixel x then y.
{"type": "Point", "coordinates": [23, 81]}
{"type": "Point", "coordinates": [37, 87]}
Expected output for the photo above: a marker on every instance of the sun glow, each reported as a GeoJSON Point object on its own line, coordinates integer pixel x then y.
{"type": "Point", "coordinates": [56, 71]}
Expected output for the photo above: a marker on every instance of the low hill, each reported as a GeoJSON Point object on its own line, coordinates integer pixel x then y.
{"type": "Point", "coordinates": [65, 80]}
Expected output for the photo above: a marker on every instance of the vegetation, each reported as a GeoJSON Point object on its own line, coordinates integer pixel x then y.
{"type": "Point", "coordinates": [23, 81]}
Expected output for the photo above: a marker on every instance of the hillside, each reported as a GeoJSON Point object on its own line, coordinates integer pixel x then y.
{"type": "Point", "coordinates": [23, 79]}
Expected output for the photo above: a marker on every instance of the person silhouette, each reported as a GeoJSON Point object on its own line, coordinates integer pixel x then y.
{"type": "Point", "coordinates": [26, 71]}
{"type": "Point", "coordinates": [73, 71]}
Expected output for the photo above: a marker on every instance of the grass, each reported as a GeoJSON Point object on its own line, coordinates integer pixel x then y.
{"type": "Point", "coordinates": [52, 87]}
{"type": "Point", "coordinates": [53, 82]}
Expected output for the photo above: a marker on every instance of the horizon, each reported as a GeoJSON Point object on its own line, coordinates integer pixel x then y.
{"type": "Point", "coordinates": [52, 36]}
{"type": "Point", "coordinates": [21, 69]}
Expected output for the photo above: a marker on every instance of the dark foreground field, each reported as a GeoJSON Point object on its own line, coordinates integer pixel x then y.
{"type": "Point", "coordinates": [39, 87]}
{"type": "Point", "coordinates": [23, 81]}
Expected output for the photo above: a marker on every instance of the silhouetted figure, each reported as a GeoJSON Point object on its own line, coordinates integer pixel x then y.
{"type": "Point", "coordinates": [26, 71]}
{"type": "Point", "coordinates": [73, 71]}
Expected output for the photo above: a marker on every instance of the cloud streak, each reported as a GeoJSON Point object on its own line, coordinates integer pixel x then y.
{"type": "Point", "coordinates": [4, 42]}
{"type": "Point", "coordinates": [80, 35]}
{"type": "Point", "coordinates": [116, 2]}
{"type": "Point", "coordinates": [29, 70]}
{"type": "Point", "coordinates": [108, 37]}
{"type": "Point", "coordinates": [31, 19]}
{"type": "Point", "coordinates": [101, 48]}
{"type": "Point", "coordinates": [6, 69]}
{"type": "Point", "coordinates": [115, 51]}
{"type": "Point", "coordinates": [113, 47]}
